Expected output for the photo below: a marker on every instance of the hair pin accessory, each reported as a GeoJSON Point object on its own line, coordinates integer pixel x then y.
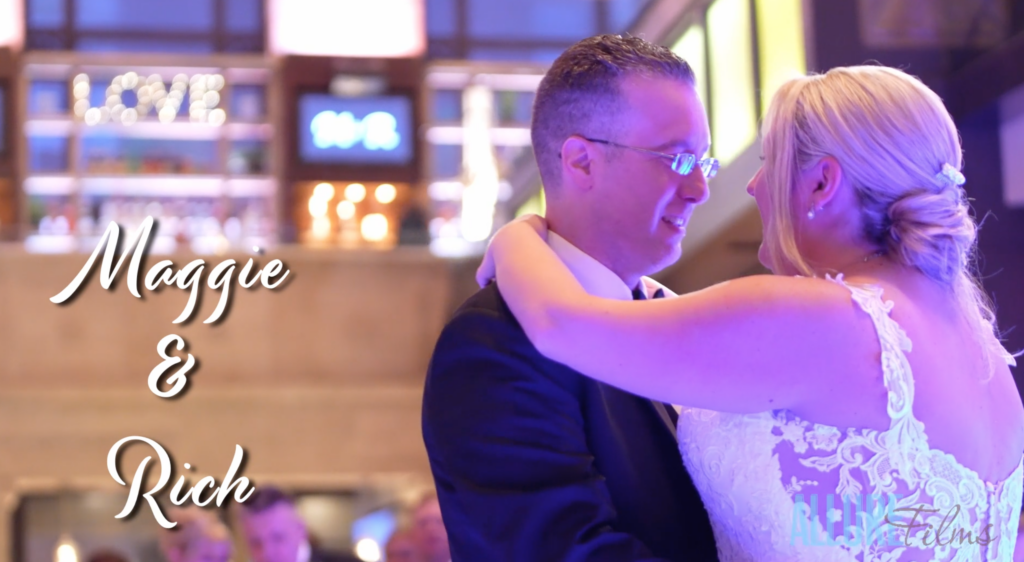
{"type": "Point", "coordinates": [950, 175]}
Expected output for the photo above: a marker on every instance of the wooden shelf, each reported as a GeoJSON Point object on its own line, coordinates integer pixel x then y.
{"type": "Point", "coordinates": [181, 129]}
{"type": "Point", "coordinates": [143, 185]}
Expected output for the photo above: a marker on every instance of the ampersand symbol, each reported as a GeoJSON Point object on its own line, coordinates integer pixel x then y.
{"type": "Point", "coordinates": [178, 379]}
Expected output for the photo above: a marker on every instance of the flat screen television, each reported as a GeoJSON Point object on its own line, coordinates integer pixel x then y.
{"type": "Point", "coordinates": [375, 131]}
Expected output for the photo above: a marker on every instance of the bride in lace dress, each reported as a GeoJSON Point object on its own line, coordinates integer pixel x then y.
{"type": "Point", "coordinates": [856, 405]}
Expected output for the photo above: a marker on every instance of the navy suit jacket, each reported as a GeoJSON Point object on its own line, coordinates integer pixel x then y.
{"type": "Point", "coordinates": [535, 462]}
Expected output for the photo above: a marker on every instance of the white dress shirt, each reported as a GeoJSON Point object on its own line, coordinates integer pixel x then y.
{"type": "Point", "coordinates": [595, 278]}
{"type": "Point", "coordinates": [598, 280]}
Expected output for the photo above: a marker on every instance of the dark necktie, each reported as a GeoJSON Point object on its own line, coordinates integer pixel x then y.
{"type": "Point", "coordinates": [639, 294]}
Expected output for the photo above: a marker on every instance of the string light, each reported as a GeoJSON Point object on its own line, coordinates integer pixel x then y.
{"type": "Point", "coordinates": [355, 192]}
{"type": "Point", "coordinates": [66, 553]}
{"type": "Point", "coordinates": [168, 113]}
{"type": "Point", "coordinates": [368, 550]}
{"type": "Point", "coordinates": [151, 93]}
{"type": "Point", "coordinates": [92, 116]}
{"type": "Point", "coordinates": [66, 549]}
{"type": "Point", "coordinates": [81, 107]}
{"type": "Point", "coordinates": [321, 227]}
{"type": "Point", "coordinates": [81, 90]}
{"type": "Point", "coordinates": [317, 207]}
{"type": "Point", "coordinates": [374, 227]}
{"type": "Point", "coordinates": [346, 210]}
{"type": "Point", "coordinates": [385, 193]}
{"type": "Point", "coordinates": [324, 191]}
{"type": "Point", "coordinates": [129, 116]}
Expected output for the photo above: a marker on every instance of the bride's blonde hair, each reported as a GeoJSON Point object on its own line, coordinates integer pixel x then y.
{"type": "Point", "coordinates": [892, 137]}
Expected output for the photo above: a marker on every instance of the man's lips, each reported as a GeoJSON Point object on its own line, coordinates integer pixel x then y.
{"type": "Point", "coordinates": [674, 221]}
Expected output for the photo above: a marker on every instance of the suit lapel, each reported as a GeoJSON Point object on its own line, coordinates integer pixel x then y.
{"type": "Point", "coordinates": [640, 294]}
{"type": "Point", "coordinates": [665, 416]}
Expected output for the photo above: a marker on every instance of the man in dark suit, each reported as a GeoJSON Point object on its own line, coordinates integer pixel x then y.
{"type": "Point", "coordinates": [533, 461]}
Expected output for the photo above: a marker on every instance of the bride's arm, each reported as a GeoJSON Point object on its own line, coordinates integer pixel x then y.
{"type": "Point", "coordinates": [746, 345]}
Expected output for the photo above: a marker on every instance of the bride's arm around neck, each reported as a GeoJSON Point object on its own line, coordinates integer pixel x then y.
{"type": "Point", "coordinates": [748, 345]}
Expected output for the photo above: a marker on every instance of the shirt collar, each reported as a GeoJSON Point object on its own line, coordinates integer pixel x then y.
{"type": "Point", "coordinates": [595, 278]}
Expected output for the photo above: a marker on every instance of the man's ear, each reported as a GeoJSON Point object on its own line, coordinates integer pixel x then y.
{"type": "Point", "coordinates": [826, 178]}
{"type": "Point", "coordinates": [576, 163]}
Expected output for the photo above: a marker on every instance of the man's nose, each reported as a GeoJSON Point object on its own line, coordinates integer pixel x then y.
{"type": "Point", "coordinates": [694, 187]}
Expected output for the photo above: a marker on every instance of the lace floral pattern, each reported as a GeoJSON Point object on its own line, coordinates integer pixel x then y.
{"type": "Point", "coordinates": [778, 488]}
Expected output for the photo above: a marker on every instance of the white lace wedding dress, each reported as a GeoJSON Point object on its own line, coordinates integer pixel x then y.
{"type": "Point", "coordinates": [773, 484]}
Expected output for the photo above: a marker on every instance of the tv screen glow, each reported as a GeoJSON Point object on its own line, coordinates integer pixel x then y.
{"type": "Point", "coordinates": [355, 131]}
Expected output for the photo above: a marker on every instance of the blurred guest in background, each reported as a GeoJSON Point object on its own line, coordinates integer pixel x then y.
{"type": "Point", "coordinates": [413, 230]}
{"type": "Point", "coordinates": [429, 531]}
{"type": "Point", "coordinates": [106, 556]}
{"type": "Point", "coordinates": [275, 532]}
{"type": "Point", "coordinates": [402, 547]}
{"type": "Point", "coordinates": [199, 537]}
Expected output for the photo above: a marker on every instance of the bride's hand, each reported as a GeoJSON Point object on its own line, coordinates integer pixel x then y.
{"type": "Point", "coordinates": [487, 270]}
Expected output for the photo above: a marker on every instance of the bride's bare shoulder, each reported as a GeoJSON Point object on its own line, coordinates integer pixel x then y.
{"type": "Point", "coordinates": [778, 290]}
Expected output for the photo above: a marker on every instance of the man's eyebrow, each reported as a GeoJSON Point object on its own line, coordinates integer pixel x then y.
{"type": "Point", "coordinates": [683, 146]}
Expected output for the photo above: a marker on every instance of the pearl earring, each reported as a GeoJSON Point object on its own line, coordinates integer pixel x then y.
{"type": "Point", "coordinates": [810, 214]}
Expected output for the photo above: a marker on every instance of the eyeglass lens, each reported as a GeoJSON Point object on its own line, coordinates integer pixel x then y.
{"type": "Point", "coordinates": [683, 163]}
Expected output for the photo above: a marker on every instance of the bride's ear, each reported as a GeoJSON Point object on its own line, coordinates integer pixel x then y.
{"type": "Point", "coordinates": [823, 181]}
{"type": "Point", "coordinates": [577, 163]}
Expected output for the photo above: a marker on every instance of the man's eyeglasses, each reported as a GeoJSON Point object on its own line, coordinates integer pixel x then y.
{"type": "Point", "coordinates": [682, 163]}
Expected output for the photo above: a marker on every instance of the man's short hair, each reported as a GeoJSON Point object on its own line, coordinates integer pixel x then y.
{"type": "Point", "coordinates": [265, 498]}
{"type": "Point", "coordinates": [580, 93]}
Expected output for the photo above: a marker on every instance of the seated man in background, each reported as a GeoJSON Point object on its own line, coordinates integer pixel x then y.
{"type": "Point", "coordinates": [106, 556]}
{"type": "Point", "coordinates": [401, 547]}
{"type": "Point", "coordinates": [198, 537]}
{"type": "Point", "coordinates": [429, 532]}
{"type": "Point", "coordinates": [274, 531]}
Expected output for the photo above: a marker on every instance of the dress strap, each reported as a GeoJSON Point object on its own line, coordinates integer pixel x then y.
{"type": "Point", "coordinates": [1010, 359]}
{"type": "Point", "coordinates": [899, 379]}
